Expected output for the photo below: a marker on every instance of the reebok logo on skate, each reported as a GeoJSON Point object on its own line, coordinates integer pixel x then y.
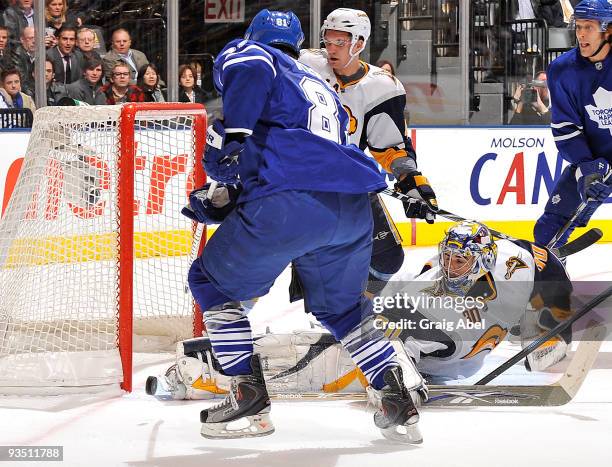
{"type": "Point", "coordinates": [601, 112]}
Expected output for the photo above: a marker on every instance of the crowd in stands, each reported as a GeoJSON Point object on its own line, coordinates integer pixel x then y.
{"type": "Point", "coordinates": [78, 66]}
{"type": "Point", "coordinates": [556, 13]}
{"type": "Point", "coordinates": [81, 66]}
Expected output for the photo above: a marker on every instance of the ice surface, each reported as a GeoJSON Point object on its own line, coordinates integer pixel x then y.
{"type": "Point", "coordinates": [137, 430]}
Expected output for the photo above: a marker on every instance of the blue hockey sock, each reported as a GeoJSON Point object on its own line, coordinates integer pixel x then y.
{"type": "Point", "coordinates": [371, 351]}
{"type": "Point", "coordinates": [229, 331]}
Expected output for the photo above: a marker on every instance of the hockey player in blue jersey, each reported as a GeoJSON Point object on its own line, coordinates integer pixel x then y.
{"type": "Point", "coordinates": [303, 199]}
{"type": "Point", "coordinates": [580, 83]}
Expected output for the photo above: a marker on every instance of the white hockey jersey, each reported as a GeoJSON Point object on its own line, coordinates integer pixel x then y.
{"type": "Point", "coordinates": [375, 104]}
{"type": "Point", "coordinates": [452, 335]}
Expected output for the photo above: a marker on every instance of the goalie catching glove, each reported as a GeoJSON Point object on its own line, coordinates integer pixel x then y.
{"type": "Point", "coordinates": [222, 152]}
{"type": "Point", "coordinates": [217, 208]}
{"type": "Point", "coordinates": [423, 204]}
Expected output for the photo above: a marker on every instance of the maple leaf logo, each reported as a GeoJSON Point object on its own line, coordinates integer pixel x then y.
{"type": "Point", "coordinates": [601, 112]}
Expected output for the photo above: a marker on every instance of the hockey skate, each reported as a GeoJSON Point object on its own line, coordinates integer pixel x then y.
{"type": "Point", "coordinates": [245, 411]}
{"type": "Point", "coordinates": [397, 415]}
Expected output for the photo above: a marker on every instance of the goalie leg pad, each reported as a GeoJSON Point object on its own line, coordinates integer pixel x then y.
{"type": "Point", "coordinates": [196, 375]}
{"type": "Point", "coordinates": [536, 323]}
{"type": "Point", "coordinates": [548, 354]}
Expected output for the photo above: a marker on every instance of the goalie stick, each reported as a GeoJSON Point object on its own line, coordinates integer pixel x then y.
{"type": "Point", "coordinates": [546, 336]}
{"type": "Point", "coordinates": [584, 241]}
{"type": "Point", "coordinates": [556, 394]}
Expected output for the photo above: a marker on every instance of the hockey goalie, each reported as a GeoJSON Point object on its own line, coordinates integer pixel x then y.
{"type": "Point", "coordinates": [464, 303]}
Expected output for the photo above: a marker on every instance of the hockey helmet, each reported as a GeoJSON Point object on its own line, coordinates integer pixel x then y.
{"type": "Point", "coordinates": [597, 10]}
{"type": "Point", "coordinates": [466, 253]}
{"type": "Point", "coordinates": [355, 22]}
{"type": "Point", "coordinates": [276, 28]}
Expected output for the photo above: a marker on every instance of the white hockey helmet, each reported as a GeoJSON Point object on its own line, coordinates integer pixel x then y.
{"type": "Point", "coordinates": [466, 253]}
{"type": "Point", "coordinates": [355, 22]}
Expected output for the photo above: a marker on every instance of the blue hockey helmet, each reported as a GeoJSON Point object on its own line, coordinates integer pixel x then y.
{"type": "Point", "coordinates": [276, 28]}
{"type": "Point", "coordinates": [596, 10]}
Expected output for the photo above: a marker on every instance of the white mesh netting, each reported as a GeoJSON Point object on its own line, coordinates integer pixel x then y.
{"type": "Point", "coordinates": [59, 242]}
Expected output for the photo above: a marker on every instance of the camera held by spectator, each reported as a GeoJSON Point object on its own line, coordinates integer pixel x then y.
{"type": "Point", "coordinates": [532, 102]}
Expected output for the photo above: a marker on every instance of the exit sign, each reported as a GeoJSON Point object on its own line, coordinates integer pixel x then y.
{"type": "Point", "coordinates": [224, 11]}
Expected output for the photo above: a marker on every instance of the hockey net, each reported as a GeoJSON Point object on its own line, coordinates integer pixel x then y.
{"type": "Point", "coordinates": [93, 248]}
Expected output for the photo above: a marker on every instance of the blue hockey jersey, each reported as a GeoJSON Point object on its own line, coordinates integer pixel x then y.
{"type": "Point", "coordinates": [581, 96]}
{"type": "Point", "coordinates": [297, 126]}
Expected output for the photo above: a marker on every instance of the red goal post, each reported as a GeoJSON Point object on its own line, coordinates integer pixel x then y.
{"type": "Point", "coordinates": [93, 248]}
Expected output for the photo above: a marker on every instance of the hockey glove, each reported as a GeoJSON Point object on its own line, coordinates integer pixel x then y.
{"type": "Point", "coordinates": [221, 157]}
{"type": "Point", "coordinates": [424, 204]}
{"type": "Point", "coordinates": [591, 177]}
{"type": "Point", "coordinates": [214, 210]}
{"type": "Point", "coordinates": [583, 217]}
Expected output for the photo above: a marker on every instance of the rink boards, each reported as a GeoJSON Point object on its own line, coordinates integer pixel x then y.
{"type": "Point", "coordinates": [501, 175]}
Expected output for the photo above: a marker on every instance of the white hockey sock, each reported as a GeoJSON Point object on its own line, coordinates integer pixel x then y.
{"type": "Point", "coordinates": [371, 351]}
{"type": "Point", "coordinates": [229, 331]}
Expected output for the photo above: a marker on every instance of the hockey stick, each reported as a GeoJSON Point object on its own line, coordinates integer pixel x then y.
{"type": "Point", "coordinates": [578, 244]}
{"type": "Point", "coordinates": [585, 240]}
{"type": "Point", "coordinates": [558, 393]}
{"type": "Point", "coordinates": [544, 337]}
{"type": "Point", "coordinates": [578, 212]}
{"type": "Point", "coordinates": [199, 231]}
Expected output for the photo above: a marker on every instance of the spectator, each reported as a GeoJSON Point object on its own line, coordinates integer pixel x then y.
{"type": "Point", "coordinates": [55, 91]}
{"type": "Point", "coordinates": [148, 81]}
{"type": "Point", "coordinates": [188, 90]}
{"type": "Point", "coordinates": [387, 66]}
{"type": "Point", "coordinates": [57, 15]}
{"type": "Point", "coordinates": [121, 51]}
{"type": "Point", "coordinates": [522, 9]}
{"type": "Point", "coordinates": [197, 67]}
{"type": "Point", "coordinates": [6, 61]}
{"type": "Point", "coordinates": [86, 43]}
{"type": "Point", "coordinates": [119, 89]}
{"type": "Point", "coordinates": [89, 88]}
{"type": "Point", "coordinates": [552, 12]}
{"type": "Point", "coordinates": [18, 17]}
{"type": "Point", "coordinates": [567, 7]}
{"type": "Point", "coordinates": [65, 57]}
{"type": "Point", "coordinates": [23, 59]}
{"type": "Point", "coordinates": [532, 102]}
{"type": "Point", "coordinates": [11, 91]}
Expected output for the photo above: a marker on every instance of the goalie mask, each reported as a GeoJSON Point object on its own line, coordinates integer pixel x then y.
{"type": "Point", "coordinates": [466, 253]}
